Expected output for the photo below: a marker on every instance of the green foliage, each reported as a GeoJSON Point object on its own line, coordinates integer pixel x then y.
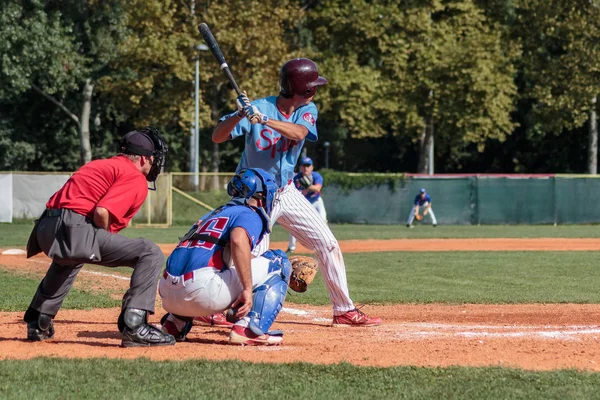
{"type": "Point", "coordinates": [561, 48]}
{"type": "Point", "coordinates": [439, 59]}
{"type": "Point", "coordinates": [349, 181]}
{"type": "Point", "coordinates": [22, 289]}
{"type": "Point", "coordinates": [391, 67]}
{"type": "Point", "coordinates": [192, 379]}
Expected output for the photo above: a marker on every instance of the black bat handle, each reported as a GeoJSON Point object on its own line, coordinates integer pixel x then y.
{"type": "Point", "coordinates": [214, 48]}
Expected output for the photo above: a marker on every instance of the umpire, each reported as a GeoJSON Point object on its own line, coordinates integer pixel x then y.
{"type": "Point", "coordinates": [80, 225]}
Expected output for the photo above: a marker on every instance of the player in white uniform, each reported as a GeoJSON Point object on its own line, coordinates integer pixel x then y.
{"type": "Point", "coordinates": [274, 129]}
{"type": "Point", "coordinates": [421, 200]}
{"type": "Point", "coordinates": [309, 183]}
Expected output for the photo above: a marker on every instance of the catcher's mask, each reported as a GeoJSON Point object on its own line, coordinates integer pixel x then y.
{"type": "Point", "coordinates": [254, 182]}
{"type": "Point", "coordinates": [154, 146]}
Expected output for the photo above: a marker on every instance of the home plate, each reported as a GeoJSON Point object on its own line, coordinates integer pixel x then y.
{"type": "Point", "coordinates": [14, 252]}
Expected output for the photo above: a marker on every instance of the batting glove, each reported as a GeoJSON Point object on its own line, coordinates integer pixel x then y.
{"type": "Point", "coordinates": [242, 102]}
{"type": "Point", "coordinates": [255, 116]}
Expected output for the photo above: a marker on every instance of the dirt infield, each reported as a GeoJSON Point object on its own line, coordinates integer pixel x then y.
{"type": "Point", "coordinates": [537, 337]}
{"type": "Point", "coordinates": [487, 244]}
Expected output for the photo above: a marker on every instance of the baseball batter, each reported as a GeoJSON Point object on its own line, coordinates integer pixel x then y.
{"type": "Point", "coordinates": [421, 200]}
{"type": "Point", "coordinates": [275, 129]}
{"type": "Point", "coordinates": [309, 183]}
{"type": "Point", "coordinates": [212, 269]}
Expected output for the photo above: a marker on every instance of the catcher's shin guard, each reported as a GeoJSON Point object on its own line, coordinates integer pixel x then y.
{"type": "Point", "coordinates": [268, 298]}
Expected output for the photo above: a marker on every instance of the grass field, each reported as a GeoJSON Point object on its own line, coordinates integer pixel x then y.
{"type": "Point", "coordinates": [374, 278]}
{"type": "Point", "coordinates": [412, 277]}
{"type": "Point", "coordinates": [22, 289]}
{"type": "Point", "coordinates": [17, 234]}
{"type": "Point", "coordinates": [198, 379]}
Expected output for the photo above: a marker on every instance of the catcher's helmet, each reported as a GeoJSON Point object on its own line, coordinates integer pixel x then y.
{"type": "Point", "coordinates": [300, 76]}
{"type": "Point", "coordinates": [254, 182]}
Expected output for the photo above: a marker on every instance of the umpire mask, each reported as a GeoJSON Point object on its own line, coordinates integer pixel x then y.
{"type": "Point", "coordinates": [159, 150]}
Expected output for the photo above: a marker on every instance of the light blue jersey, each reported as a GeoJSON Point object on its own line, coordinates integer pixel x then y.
{"type": "Point", "coordinates": [266, 148]}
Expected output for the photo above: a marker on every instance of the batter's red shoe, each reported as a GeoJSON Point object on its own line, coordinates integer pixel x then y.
{"type": "Point", "coordinates": [355, 318]}
{"type": "Point", "coordinates": [244, 336]}
{"type": "Point", "coordinates": [218, 320]}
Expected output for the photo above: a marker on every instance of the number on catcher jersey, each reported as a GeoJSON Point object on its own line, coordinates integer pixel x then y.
{"type": "Point", "coordinates": [214, 227]}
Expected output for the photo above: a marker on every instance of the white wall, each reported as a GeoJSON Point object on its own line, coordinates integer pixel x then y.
{"type": "Point", "coordinates": [6, 198]}
{"type": "Point", "coordinates": [32, 191]}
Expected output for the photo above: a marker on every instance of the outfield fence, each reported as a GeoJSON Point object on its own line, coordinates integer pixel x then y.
{"type": "Point", "coordinates": [456, 199]}
{"type": "Point", "coordinates": [473, 200]}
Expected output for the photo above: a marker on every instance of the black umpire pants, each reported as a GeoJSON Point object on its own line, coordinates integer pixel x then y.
{"type": "Point", "coordinates": [70, 240]}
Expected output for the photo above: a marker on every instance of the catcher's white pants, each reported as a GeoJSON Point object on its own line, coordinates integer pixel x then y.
{"type": "Point", "coordinates": [319, 205]}
{"type": "Point", "coordinates": [411, 216]}
{"type": "Point", "coordinates": [209, 291]}
{"type": "Point", "coordinates": [299, 218]}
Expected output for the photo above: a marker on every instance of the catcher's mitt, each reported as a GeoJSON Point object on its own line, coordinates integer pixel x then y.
{"type": "Point", "coordinates": [306, 181]}
{"type": "Point", "coordinates": [418, 217]}
{"type": "Point", "coordinates": [304, 270]}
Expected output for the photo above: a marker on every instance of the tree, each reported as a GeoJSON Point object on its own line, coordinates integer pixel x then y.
{"type": "Point", "coordinates": [560, 75]}
{"type": "Point", "coordinates": [57, 50]}
{"type": "Point", "coordinates": [403, 69]}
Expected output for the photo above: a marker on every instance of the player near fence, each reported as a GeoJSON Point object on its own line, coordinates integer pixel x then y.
{"type": "Point", "coordinates": [422, 199]}
{"type": "Point", "coordinates": [275, 129]}
{"type": "Point", "coordinates": [212, 268]}
{"type": "Point", "coordinates": [310, 184]}
{"type": "Point", "coordinates": [81, 224]}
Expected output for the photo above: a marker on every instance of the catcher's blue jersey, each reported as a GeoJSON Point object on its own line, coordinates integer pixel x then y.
{"type": "Point", "coordinates": [317, 180]}
{"type": "Point", "coordinates": [265, 148]}
{"type": "Point", "coordinates": [191, 255]}
{"type": "Point", "coordinates": [420, 201]}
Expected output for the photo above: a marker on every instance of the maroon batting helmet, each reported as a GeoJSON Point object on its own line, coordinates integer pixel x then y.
{"type": "Point", "coordinates": [300, 76]}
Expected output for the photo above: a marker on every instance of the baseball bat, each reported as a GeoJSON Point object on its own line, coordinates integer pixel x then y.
{"type": "Point", "coordinates": [214, 48]}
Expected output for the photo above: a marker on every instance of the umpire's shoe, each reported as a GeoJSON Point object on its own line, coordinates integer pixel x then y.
{"type": "Point", "coordinates": [137, 332]}
{"type": "Point", "coordinates": [41, 328]}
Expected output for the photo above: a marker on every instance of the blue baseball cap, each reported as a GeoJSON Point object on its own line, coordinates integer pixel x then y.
{"type": "Point", "coordinates": [422, 190]}
{"type": "Point", "coordinates": [306, 161]}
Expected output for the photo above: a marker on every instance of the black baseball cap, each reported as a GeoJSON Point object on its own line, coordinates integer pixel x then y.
{"type": "Point", "coordinates": [137, 143]}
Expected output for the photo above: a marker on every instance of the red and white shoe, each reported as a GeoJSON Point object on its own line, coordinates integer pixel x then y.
{"type": "Point", "coordinates": [355, 318]}
{"type": "Point", "coordinates": [217, 320]}
{"type": "Point", "coordinates": [169, 326]}
{"type": "Point", "coordinates": [244, 336]}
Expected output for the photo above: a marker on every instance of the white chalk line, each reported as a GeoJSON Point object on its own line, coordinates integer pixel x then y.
{"type": "Point", "coordinates": [83, 271]}
{"type": "Point", "coordinates": [415, 331]}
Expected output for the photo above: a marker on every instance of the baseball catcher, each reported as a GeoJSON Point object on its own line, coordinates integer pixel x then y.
{"type": "Point", "coordinates": [304, 270]}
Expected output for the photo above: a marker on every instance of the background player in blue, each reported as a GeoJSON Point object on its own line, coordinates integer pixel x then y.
{"type": "Point", "coordinates": [275, 128]}
{"type": "Point", "coordinates": [421, 200]}
{"type": "Point", "coordinates": [212, 268]}
{"type": "Point", "coordinates": [309, 183]}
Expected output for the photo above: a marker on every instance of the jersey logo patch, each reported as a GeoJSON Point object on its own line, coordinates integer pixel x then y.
{"type": "Point", "coordinates": [308, 117]}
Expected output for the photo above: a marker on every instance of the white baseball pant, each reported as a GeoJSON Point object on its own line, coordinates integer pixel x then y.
{"type": "Point", "coordinates": [299, 218]}
{"type": "Point", "coordinates": [319, 205]}
{"type": "Point", "coordinates": [209, 291]}
{"type": "Point", "coordinates": [411, 216]}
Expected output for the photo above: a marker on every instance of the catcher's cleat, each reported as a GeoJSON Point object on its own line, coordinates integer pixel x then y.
{"type": "Point", "coordinates": [40, 329]}
{"type": "Point", "coordinates": [244, 336]}
{"type": "Point", "coordinates": [170, 327]}
{"type": "Point", "coordinates": [355, 318]}
{"type": "Point", "coordinates": [217, 320]}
